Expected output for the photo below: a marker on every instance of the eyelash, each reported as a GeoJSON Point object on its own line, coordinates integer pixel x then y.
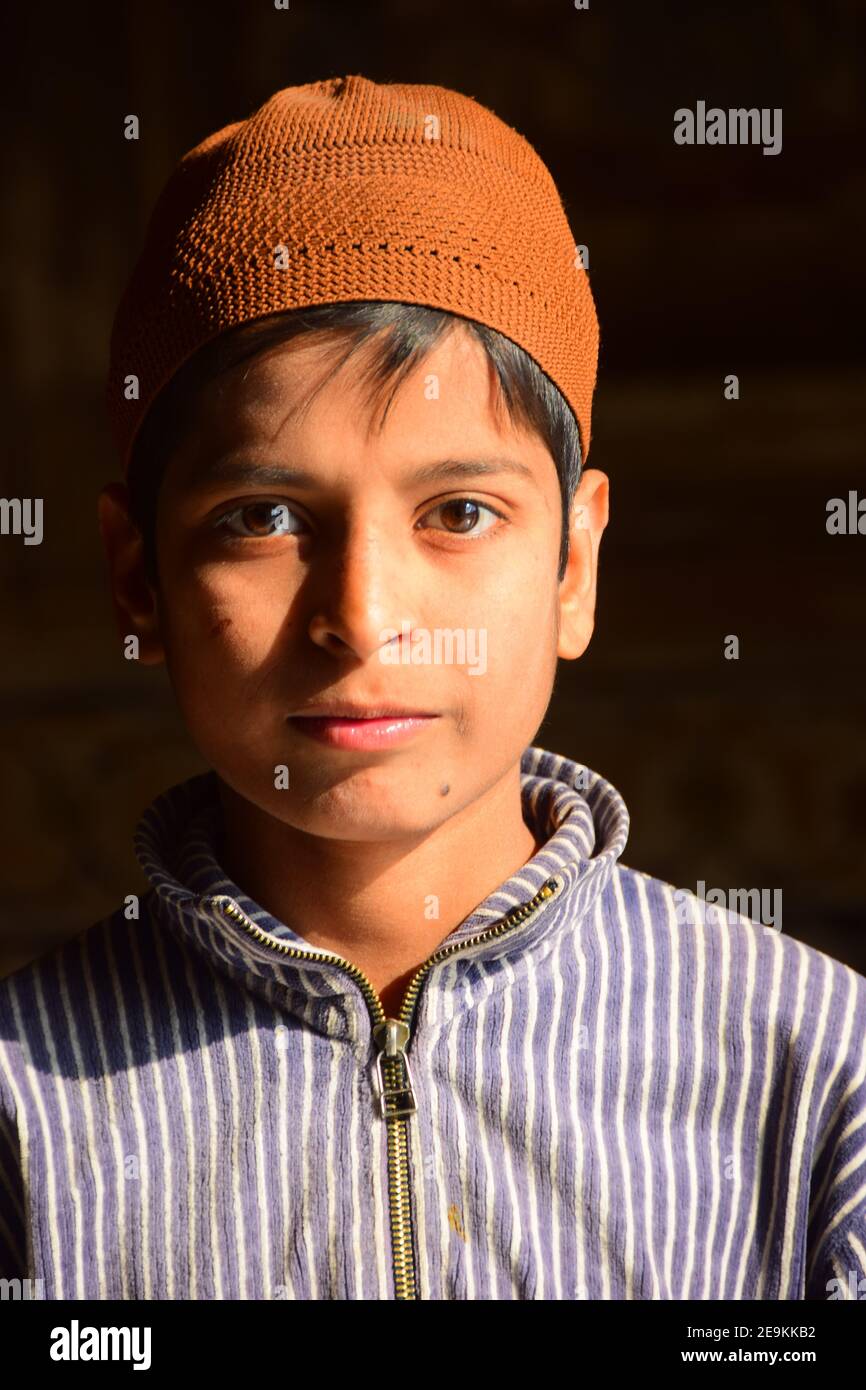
{"type": "Point", "coordinates": [221, 523]}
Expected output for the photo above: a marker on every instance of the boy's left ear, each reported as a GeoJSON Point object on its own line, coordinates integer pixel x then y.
{"type": "Point", "coordinates": [577, 590]}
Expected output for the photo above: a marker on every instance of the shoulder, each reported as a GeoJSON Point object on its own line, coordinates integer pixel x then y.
{"type": "Point", "coordinates": [721, 921]}
{"type": "Point", "coordinates": [728, 953]}
{"type": "Point", "coordinates": [66, 988]}
{"type": "Point", "coordinates": [88, 942]}
{"type": "Point", "coordinates": [760, 1005]}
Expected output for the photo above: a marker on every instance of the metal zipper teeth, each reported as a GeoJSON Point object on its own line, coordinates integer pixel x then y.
{"type": "Point", "coordinates": [296, 953]}
{"type": "Point", "coordinates": [402, 1235]}
{"type": "Point", "coordinates": [401, 1210]}
{"type": "Point", "coordinates": [515, 917]}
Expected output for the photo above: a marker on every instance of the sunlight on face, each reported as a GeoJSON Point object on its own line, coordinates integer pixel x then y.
{"type": "Point", "coordinates": [278, 592]}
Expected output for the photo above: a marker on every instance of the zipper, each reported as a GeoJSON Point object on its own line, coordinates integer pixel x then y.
{"type": "Point", "coordinates": [395, 1088]}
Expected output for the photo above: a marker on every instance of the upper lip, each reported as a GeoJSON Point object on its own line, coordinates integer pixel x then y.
{"type": "Point", "coordinates": [343, 710]}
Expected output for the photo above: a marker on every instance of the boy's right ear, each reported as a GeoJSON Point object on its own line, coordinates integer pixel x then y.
{"type": "Point", "coordinates": [135, 604]}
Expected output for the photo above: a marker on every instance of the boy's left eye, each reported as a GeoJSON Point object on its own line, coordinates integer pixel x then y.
{"type": "Point", "coordinates": [463, 512]}
{"type": "Point", "coordinates": [458, 507]}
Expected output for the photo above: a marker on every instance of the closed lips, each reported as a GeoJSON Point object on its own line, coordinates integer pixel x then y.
{"type": "Point", "coordinates": [341, 712]}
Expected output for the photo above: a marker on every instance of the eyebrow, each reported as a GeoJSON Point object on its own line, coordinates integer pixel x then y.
{"type": "Point", "coordinates": [233, 468]}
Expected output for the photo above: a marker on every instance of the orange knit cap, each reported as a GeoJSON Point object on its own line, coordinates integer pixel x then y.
{"type": "Point", "coordinates": [348, 189]}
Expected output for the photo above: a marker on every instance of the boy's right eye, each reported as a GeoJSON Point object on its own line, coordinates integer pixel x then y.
{"type": "Point", "coordinates": [265, 514]}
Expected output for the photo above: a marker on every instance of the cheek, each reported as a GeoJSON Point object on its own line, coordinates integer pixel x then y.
{"type": "Point", "coordinates": [212, 627]}
{"type": "Point", "coordinates": [512, 640]}
{"type": "Point", "coordinates": [521, 622]}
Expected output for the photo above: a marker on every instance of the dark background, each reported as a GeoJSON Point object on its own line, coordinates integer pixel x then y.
{"type": "Point", "coordinates": [703, 261]}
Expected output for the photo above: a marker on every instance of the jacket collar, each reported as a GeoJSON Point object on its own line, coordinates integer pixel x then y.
{"type": "Point", "coordinates": [579, 817]}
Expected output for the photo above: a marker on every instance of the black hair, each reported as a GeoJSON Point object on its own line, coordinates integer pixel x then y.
{"type": "Point", "coordinates": [530, 395]}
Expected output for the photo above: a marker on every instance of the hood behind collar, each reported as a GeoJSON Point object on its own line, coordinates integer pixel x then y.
{"type": "Point", "coordinates": [579, 818]}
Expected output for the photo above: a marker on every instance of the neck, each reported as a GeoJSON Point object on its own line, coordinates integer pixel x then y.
{"type": "Point", "coordinates": [384, 905]}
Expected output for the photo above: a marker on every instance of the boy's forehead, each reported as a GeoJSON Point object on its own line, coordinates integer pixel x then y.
{"type": "Point", "coordinates": [270, 398]}
{"type": "Point", "coordinates": [285, 374]}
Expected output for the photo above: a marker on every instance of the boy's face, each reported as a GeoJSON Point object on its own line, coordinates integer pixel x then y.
{"type": "Point", "coordinates": [271, 613]}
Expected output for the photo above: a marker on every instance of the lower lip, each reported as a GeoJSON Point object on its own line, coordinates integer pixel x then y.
{"type": "Point", "coordinates": [363, 733]}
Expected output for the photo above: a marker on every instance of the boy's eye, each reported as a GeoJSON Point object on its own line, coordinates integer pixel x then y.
{"type": "Point", "coordinates": [264, 514]}
{"type": "Point", "coordinates": [462, 511]}
{"type": "Point", "coordinates": [257, 518]}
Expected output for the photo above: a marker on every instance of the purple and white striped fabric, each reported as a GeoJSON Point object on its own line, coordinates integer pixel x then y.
{"type": "Point", "coordinates": [624, 1097]}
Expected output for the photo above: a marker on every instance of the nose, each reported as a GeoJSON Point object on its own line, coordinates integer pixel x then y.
{"type": "Point", "coordinates": [360, 591]}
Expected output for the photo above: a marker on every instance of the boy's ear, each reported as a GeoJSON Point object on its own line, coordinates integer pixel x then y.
{"type": "Point", "coordinates": [135, 604]}
{"type": "Point", "coordinates": [577, 590]}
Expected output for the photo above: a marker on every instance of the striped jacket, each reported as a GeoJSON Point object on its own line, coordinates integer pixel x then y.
{"type": "Point", "coordinates": [598, 1087]}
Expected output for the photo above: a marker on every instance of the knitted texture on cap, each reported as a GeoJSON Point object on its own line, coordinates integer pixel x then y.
{"type": "Point", "coordinates": [348, 189]}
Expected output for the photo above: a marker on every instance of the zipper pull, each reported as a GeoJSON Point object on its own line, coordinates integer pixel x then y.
{"type": "Point", "coordinates": [391, 1038]}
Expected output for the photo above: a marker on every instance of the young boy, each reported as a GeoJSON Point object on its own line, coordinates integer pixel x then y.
{"type": "Point", "coordinates": [394, 1020]}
